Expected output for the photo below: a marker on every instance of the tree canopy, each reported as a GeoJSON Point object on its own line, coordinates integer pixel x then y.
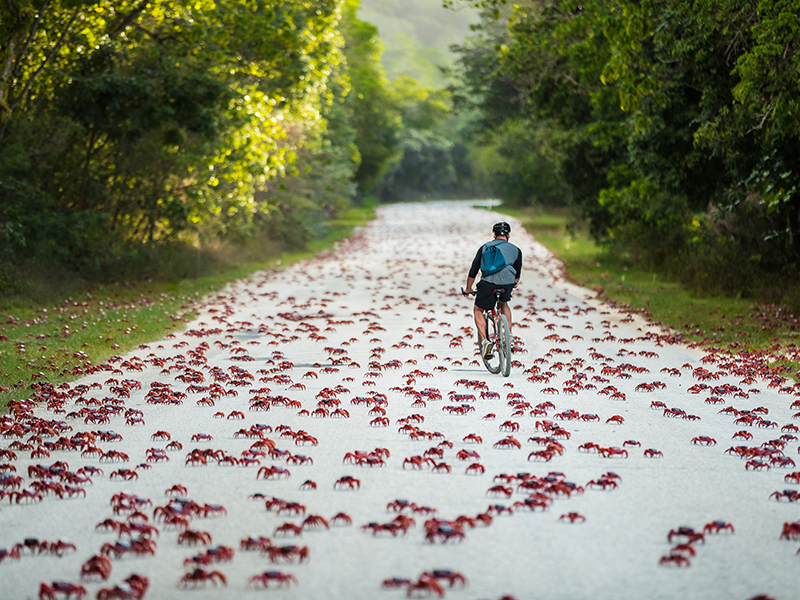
{"type": "Point", "coordinates": [126, 125]}
{"type": "Point", "coordinates": [670, 125]}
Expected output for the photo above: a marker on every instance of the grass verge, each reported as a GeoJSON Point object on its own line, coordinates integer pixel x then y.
{"type": "Point", "coordinates": [733, 323]}
{"type": "Point", "coordinates": [58, 338]}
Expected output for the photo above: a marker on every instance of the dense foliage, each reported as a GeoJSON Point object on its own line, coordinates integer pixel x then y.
{"type": "Point", "coordinates": [130, 128]}
{"type": "Point", "coordinates": [672, 126]}
{"type": "Point", "coordinates": [433, 161]}
{"type": "Point", "coordinates": [126, 124]}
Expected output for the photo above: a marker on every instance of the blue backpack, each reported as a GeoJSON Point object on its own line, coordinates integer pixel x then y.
{"type": "Point", "coordinates": [492, 259]}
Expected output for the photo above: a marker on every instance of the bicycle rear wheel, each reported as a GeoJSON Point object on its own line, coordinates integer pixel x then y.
{"type": "Point", "coordinates": [491, 361]}
{"type": "Point", "coordinates": [503, 348]}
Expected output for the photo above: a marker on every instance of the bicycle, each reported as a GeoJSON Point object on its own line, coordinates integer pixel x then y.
{"type": "Point", "coordinates": [498, 357]}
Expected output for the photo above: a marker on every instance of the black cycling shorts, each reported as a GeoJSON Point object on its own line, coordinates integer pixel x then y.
{"type": "Point", "coordinates": [485, 298]}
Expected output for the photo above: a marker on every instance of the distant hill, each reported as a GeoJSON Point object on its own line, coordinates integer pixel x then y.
{"type": "Point", "coordinates": [416, 35]}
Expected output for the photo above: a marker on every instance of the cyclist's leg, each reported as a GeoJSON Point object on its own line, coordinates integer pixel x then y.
{"type": "Point", "coordinates": [506, 310]}
{"type": "Point", "coordinates": [480, 322]}
{"type": "Point", "coordinates": [502, 305]}
{"type": "Point", "coordinates": [484, 300]}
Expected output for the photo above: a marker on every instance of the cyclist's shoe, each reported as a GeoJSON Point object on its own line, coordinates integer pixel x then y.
{"type": "Point", "coordinates": [486, 349]}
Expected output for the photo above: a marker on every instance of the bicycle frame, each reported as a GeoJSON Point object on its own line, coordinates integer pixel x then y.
{"type": "Point", "coordinates": [497, 332]}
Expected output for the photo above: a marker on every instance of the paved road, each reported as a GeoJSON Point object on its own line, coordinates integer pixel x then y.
{"type": "Point", "coordinates": [380, 317]}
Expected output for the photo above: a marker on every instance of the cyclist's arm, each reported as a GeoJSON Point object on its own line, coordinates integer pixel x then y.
{"type": "Point", "coordinates": [518, 267]}
{"type": "Point", "coordinates": [473, 270]}
{"type": "Point", "coordinates": [468, 288]}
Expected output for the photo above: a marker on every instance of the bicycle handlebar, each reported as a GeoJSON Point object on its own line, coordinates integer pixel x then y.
{"type": "Point", "coordinates": [465, 294]}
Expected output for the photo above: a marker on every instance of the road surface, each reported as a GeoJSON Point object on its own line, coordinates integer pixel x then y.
{"type": "Point", "coordinates": [372, 325]}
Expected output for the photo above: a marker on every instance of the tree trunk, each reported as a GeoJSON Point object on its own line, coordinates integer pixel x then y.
{"type": "Point", "coordinates": [80, 200]}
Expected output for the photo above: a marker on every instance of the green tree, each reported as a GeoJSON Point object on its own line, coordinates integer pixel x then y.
{"type": "Point", "coordinates": [433, 161]}
{"type": "Point", "coordinates": [132, 123]}
{"type": "Point", "coordinates": [672, 124]}
{"type": "Point", "coordinates": [375, 116]}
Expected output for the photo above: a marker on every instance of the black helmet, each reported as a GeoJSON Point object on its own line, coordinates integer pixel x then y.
{"type": "Point", "coordinates": [501, 228]}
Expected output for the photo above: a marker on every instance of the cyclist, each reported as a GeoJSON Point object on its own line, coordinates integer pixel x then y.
{"type": "Point", "coordinates": [505, 279]}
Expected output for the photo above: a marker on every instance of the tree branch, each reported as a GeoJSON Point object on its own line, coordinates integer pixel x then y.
{"type": "Point", "coordinates": [32, 78]}
{"type": "Point", "coordinates": [128, 19]}
{"type": "Point", "coordinates": [159, 39]}
{"type": "Point", "coordinates": [765, 116]}
{"type": "Point", "coordinates": [29, 39]}
{"type": "Point", "coordinates": [5, 111]}
{"type": "Point", "coordinates": [7, 71]}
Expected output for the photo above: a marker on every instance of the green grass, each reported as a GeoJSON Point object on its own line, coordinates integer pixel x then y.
{"type": "Point", "coordinates": [52, 339]}
{"type": "Point", "coordinates": [733, 323]}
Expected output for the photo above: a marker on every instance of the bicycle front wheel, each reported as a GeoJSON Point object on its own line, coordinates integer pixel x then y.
{"type": "Point", "coordinates": [503, 349]}
{"type": "Point", "coordinates": [492, 360]}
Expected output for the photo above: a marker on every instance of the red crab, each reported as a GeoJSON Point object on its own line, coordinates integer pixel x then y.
{"type": "Point", "coordinates": [602, 483]}
{"type": "Point", "coordinates": [589, 447]}
{"type": "Point", "coordinates": [572, 517]}
{"type": "Point", "coordinates": [263, 580]}
{"type": "Point", "coordinates": [442, 531]}
{"type": "Point", "coordinates": [426, 586]}
{"type": "Point", "coordinates": [315, 522]}
{"type": "Point", "coordinates": [348, 482]}
{"type": "Point", "coordinates": [395, 582]}
{"type": "Point", "coordinates": [792, 478]}
{"type": "Point", "coordinates": [508, 442]}
{"type": "Point", "coordinates": [192, 538]}
{"type": "Point", "coordinates": [453, 578]}
{"type": "Point", "coordinates": [674, 559]}
{"type": "Point", "coordinates": [341, 519]}
{"type": "Point", "coordinates": [790, 495]}
{"type": "Point", "coordinates": [288, 529]}
{"type": "Point", "coordinates": [50, 592]}
{"type": "Point", "coordinates": [199, 576]}
{"type": "Point", "coordinates": [704, 440]}
{"type": "Point", "coordinates": [502, 490]}
{"type": "Point", "coordinates": [613, 451]}
{"type": "Point", "coordinates": [686, 535]}
{"type": "Point", "coordinates": [134, 589]}
{"type": "Point", "coordinates": [272, 473]}
{"type": "Point", "coordinates": [287, 553]}
{"type": "Point", "coordinates": [96, 566]}
{"type": "Point", "coordinates": [717, 527]}
{"type": "Point", "coordinates": [467, 455]}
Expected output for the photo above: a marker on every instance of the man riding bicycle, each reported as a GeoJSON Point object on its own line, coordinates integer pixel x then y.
{"type": "Point", "coordinates": [505, 279]}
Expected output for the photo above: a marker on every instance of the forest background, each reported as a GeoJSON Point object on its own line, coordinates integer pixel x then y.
{"type": "Point", "coordinates": [136, 134]}
{"type": "Point", "coordinates": [145, 137]}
